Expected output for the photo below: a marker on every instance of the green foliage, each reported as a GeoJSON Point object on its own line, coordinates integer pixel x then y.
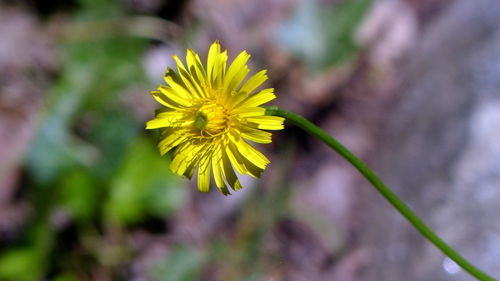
{"type": "Point", "coordinates": [93, 75]}
{"type": "Point", "coordinates": [143, 186]}
{"type": "Point", "coordinates": [28, 262]}
{"type": "Point", "coordinates": [91, 167]}
{"type": "Point", "coordinates": [112, 134]}
{"type": "Point", "coordinates": [21, 264]}
{"type": "Point", "coordinates": [95, 9]}
{"type": "Point", "coordinates": [323, 35]}
{"type": "Point", "coordinates": [340, 26]}
{"type": "Point", "coordinates": [182, 264]}
{"type": "Point", "coordinates": [79, 195]}
{"type": "Point", "coordinates": [65, 277]}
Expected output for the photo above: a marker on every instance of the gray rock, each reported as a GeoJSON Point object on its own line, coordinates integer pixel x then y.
{"type": "Point", "coordinates": [441, 152]}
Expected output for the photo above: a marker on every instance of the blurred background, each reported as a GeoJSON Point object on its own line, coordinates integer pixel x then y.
{"type": "Point", "coordinates": [411, 86]}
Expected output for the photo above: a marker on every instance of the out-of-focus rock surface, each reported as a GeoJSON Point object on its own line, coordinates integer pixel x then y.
{"type": "Point", "coordinates": [441, 152]}
{"type": "Point", "coordinates": [26, 63]}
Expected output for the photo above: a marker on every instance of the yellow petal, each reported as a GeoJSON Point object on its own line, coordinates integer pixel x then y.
{"type": "Point", "coordinates": [204, 175]}
{"type": "Point", "coordinates": [229, 174]}
{"type": "Point", "coordinates": [235, 158]}
{"type": "Point", "coordinates": [252, 169]}
{"type": "Point", "coordinates": [174, 95]}
{"type": "Point", "coordinates": [196, 68]}
{"type": "Point", "coordinates": [267, 122]}
{"type": "Point", "coordinates": [213, 55]}
{"type": "Point", "coordinates": [244, 112]}
{"type": "Point", "coordinates": [217, 171]}
{"type": "Point", "coordinates": [237, 72]}
{"type": "Point", "coordinates": [164, 100]}
{"type": "Point", "coordinates": [169, 119]}
{"type": "Point", "coordinates": [255, 135]}
{"type": "Point", "coordinates": [179, 90]}
{"type": "Point", "coordinates": [236, 98]}
{"type": "Point", "coordinates": [220, 71]}
{"type": "Point", "coordinates": [190, 170]}
{"type": "Point", "coordinates": [216, 65]}
{"type": "Point", "coordinates": [190, 84]}
{"type": "Point", "coordinates": [248, 152]}
{"type": "Point", "coordinates": [169, 141]}
{"type": "Point", "coordinates": [184, 156]}
{"type": "Point", "coordinates": [254, 82]}
{"type": "Point", "coordinates": [249, 167]}
{"type": "Point", "coordinates": [259, 98]}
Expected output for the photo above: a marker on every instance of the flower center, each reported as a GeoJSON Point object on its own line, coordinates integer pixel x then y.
{"type": "Point", "coordinates": [211, 119]}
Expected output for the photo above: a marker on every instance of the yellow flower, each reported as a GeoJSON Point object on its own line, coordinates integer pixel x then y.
{"type": "Point", "coordinates": [211, 115]}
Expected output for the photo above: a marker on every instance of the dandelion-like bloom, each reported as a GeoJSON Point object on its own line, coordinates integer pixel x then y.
{"type": "Point", "coordinates": [211, 115]}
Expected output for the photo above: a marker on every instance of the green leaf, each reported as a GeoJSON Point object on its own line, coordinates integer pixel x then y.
{"type": "Point", "coordinates": [66, 277]}
{"type": "Point", "coordinates": [144, 186]}
{"type": "Point", "coordinates": [340, 26]}
{"type": "Point", "coordinates": [323, 35]}
{"type": "Point", "coordinates": [182, 264]}
{"type": "Point", "coordinates": [112, 135]}
{"type": "Point", "coordinates": [93, 73]}
{"type": "Point", "coordinates": [79, 194]}
{"type": "Point", "coordinates": [22, 264]}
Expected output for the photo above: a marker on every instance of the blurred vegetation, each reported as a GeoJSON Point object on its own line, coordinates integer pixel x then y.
{"type": "Point", "coordinates": [91, 159]}
{"type": "Point", "coordinates": [92, 173]}
{"type": "Point", "coordinates": [322, 36]}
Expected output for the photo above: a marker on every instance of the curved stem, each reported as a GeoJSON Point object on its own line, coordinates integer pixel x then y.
{"type": "Point", "coordinates": [393, 199]}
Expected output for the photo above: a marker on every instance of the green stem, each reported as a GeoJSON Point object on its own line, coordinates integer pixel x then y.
{"type": "Point", "coordinates": [382, 188]}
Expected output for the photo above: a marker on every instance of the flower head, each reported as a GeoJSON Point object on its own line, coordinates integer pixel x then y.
{"type": "Point", "coordinates": [209, 117]}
